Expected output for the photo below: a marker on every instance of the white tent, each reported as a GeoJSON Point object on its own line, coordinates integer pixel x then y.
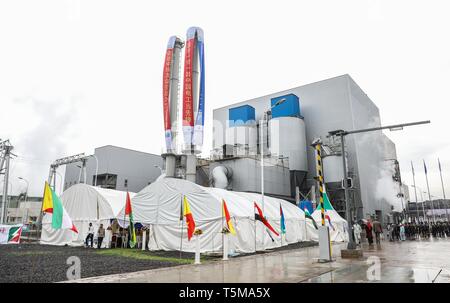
{"type": "Point", "coordinates": [85, 204]}
{"type": "Point", "coordinates": [338, 228]}
{"type": "Point", "coordinates": [159, 206]}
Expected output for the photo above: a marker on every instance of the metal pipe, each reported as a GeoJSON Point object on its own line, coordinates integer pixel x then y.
{"type": "Point", "coordinates": [348, 214]}
{"type": "Point", "coordinates": [96, 168]}
{"type": "Point", "coordinates": [391, 127]}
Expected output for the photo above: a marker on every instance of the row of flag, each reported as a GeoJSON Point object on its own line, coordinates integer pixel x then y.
{"type": "Point", "coordinates": [61, 219]}
{"type": "Point", "coordinates": [52, 204]}
{"type": "Point", "coordinates": [259, 216]}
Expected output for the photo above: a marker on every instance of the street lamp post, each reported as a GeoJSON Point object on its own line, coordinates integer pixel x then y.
{"type": "Point", "coordinates": [421, 197]}
{"type": "Point", "coordinates": [28, 184]}
{"type": "Point", "coordinates": [60, 182]}
{"type": "Point", "coordinates": [261, 149]}
{"type": "Point", "coordinates": [341, 133]}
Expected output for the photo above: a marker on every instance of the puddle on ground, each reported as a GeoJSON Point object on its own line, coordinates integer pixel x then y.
{"type": "Point", "coordinates": [392, 274]}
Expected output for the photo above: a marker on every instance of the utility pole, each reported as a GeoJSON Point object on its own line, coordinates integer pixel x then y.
{"type": "Point", "coordinates": [5, 148]}
{"type": "Point", "coordinates": [342, 133]}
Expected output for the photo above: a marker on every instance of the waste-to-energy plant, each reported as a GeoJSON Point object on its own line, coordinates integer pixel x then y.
{"type": "Point", "coordinates": [273, 158]}
{"type": "Point", "coordinates": [281, 126]}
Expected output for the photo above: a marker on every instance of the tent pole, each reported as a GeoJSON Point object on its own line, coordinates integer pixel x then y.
{"type": "Point", "coordinates": [181, 235]}
{"type": "Point", "coordinates": [223, 234]}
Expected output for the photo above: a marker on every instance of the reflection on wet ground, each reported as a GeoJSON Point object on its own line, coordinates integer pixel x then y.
{"type": "Point", "coordinates": [424, 261]}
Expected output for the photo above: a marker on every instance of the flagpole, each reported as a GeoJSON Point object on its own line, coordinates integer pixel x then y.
{"type": "Point", "coordinates": [415, 193]}
{"type": "Point", "coordinates": [429, 194]}
{"type": "Point", "coordinates": [182, 221]}
{"type": "Point", "coordinates": [443, 190]}
{"type": "Point", "coordinates": [254, 216]}
{"type": "Point", "coordinates": [281, 230]}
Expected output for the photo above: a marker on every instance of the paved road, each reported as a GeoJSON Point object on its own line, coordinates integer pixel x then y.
{"type": "Point", "coordinates": [411, 261]}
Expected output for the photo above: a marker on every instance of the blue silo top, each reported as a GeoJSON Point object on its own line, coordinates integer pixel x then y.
{"type": "Point", "coordinates": [289, 108]}
{"type": "Point", "coordinates": [241, 115]}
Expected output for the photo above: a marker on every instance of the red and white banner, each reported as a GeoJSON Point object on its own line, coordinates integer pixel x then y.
{"type": "Point", "coordinates": [188, 100]}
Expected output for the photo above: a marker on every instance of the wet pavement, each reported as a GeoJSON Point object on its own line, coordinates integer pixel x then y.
{"type": "Point", "coordinates": [402, 262]}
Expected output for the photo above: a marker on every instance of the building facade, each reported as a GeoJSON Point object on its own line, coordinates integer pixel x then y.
{"type": "Point", "coordinates": [332, 104]}
{"type": "Point", "coordinates": [118, 168]}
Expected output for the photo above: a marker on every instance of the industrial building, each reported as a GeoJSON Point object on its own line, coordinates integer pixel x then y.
{"type": "Point", "coordinates": [116, 168]}
{"type": "Point", "coordinates": [292, 119]}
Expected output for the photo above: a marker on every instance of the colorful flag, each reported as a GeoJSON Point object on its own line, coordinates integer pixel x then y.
{"type": "Point", "coordinates": [260, 217]}
{"type": "Point", "coordinates": [308, 216]}
{"type": "Point", "coordinates": [329, 221]}
{"type": "Point", "coordinates": [47, 204]}
{"type": "Point", "coordinates": [52, 204]}
{"type": "Point", "coordinates": [10, 234]}
{"type": "Point", "coordinates": [282, 222]}
{"type": "Point", "coordinates": [189, 218]}
{"type": "Point", "coordinates": [129, 213]}
{"type": "Point", "coordinates": [226, 214]}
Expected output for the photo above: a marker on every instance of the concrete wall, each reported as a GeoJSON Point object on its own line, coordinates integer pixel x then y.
{"type": "Point", "coordinates": [331, 104]}
{"type": "Point", "coordinates": [135, 166]}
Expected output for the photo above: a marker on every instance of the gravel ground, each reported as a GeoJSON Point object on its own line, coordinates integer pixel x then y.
{"type": "Point", "coordinates": [31, 263]}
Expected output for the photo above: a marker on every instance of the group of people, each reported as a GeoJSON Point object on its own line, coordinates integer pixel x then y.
{"type": "Point", "coordinates": [371, 228]}
{"type": "Point", "coordinates": [117, 236]}
{"type": "Point", "coordinates": [400, 231]}
{"type": "Point", "coordinates": [90, 236]}
{"type": "Point", "coordinates": [422, 230]}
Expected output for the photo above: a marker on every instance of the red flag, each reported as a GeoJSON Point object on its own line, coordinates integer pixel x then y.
{"type": "Point", "coordinates": [259, 216]}
{"type": "Point", "coordinates": [226, 214]}
{"type": "Point", "coordinates": [128, 205]}
{"type": "Point", "coordinates": [189, 218]}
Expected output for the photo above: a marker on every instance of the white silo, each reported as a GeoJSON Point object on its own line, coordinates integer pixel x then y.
{"type": "Point", "coordinates": [241, 130]}
{"type": "Point", "coordinates": [287, 137]}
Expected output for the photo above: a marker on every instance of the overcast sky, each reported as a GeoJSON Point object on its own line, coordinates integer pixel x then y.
{"type": "Point", "coordinates": [75, 75]}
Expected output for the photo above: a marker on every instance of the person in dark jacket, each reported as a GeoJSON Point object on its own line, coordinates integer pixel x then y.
{"type": "Point", "coordinates": [378, 231]}
{"type": "Point", "coordinates": [100, 236]}
{"type": "Point", "coordinates": [369, 235]}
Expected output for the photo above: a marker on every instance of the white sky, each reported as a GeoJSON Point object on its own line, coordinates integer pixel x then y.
{"type": "Point", "coordinates": [75, 75]}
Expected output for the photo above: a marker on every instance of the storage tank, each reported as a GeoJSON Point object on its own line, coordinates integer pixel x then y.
{"type": "Point", "coordinates": [332, 168]}
{"type": "Point", "coordinates": [241, 130]}
{"type": "Point", "coordinates": [287, 137]}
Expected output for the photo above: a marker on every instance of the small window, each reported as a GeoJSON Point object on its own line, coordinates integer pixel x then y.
{"type": "Point", "coordinates": [125, 183]}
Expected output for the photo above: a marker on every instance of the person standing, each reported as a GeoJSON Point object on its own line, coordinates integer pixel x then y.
{"type": "Point", "coordinates": [90, 235]}
{"type": "Point", "coordinates": [357, 233]}
{"type": "Point", "coordinates": [402, 232]}
{"type": "Point", "coordinates": [100, 236]}
{"type": "Point", "coordinates": [378, 230]}
{"type": "Point", "coordinates": [369, 234]}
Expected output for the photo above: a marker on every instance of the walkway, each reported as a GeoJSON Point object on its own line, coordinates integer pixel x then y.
{"type": "Point", "coordinates": [410, 261]}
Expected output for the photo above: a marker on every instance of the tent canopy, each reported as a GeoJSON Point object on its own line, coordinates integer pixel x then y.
{"type": "Point", "coordinates": [161, 201]}
{"type": "Point", "coordinates": [159, 206]}
{"type": "Point", "coordinates": [85, 202]}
